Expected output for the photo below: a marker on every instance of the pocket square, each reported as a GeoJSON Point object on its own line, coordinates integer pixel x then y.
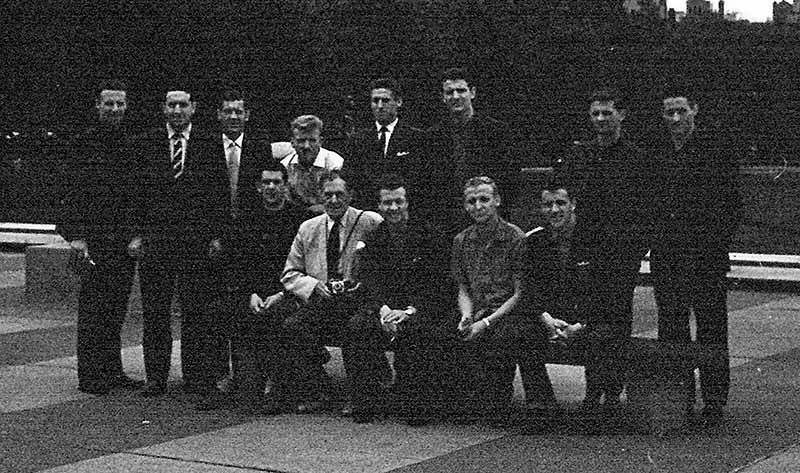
{"type": "Point", "coordinates": [400, 154]}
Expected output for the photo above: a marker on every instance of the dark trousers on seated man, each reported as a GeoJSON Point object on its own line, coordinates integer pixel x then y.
{"type": "Point", "coordinates": [338, 321]}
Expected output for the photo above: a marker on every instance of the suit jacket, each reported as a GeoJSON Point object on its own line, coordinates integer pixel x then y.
{"type": "Point", "coordinates": [697, 208]}
{"type": "Point", "coordinates": [103, 201]}
{"type": "Point", "coordinates": [188, 211]}
{"type": "Point", "coordinates": [307, 261]}
{"type": "Point", "coordinates": [256, 150]}
{"type": "Point", "coordinates": [366, 162]}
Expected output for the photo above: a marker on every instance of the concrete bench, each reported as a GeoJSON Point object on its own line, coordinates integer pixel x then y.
{"type": "Point", "coordinates": [654, 374]}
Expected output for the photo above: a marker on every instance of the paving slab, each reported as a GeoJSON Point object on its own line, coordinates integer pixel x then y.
{"type": "Point", "coordinates": [21, 324]}
{"type": "Point", "coordinates": [130, 463]}
{"type": "Point", "coordinates": [30, 386]}
{"type": "Point", "coordinates": [787, 461]}
{"type": "Point", "coordinates": [323, 444]}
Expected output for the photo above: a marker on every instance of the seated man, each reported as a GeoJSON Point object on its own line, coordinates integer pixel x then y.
{"type": "Point", "coordinates": [404, 266]}
{"type": "Point", "coordinates": [319, 274]}
{"type": "Point", "coordinates": [262, 241]}
{"type": "Point", "coordinates": [486, 266]}
{"type": "Point", "coordinates": [551, 292]}
{"type": "Point", "coordinates": [308, 162]}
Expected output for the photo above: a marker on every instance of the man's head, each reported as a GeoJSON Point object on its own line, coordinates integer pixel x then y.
{"type": "Point", "coordinates": [306, 138]}
{"type": "Point", "coordinates": [678, 114]}
{"type": "Point", "coordinates": [558, 207]}
{"type": "Point", "coordinates": [606, 112]}
{"type": "Point", "coordinates": [393, 199]}
{"type": "Point", "coordinates": [481, 199]}
{"type": "Point", "coordinates": [336, 195]}
{"type": "Point", "coordinates": [385, 100]}
{"type": "Point", "coordinates": [178, 109]}
{"type": "Point", "coordinates": [458, 92]}
{"type": "Point", "coordinates": [111, 103]}
{"type": "Point", "coordinates": [272, 185]}
{"type": "Point", "coordinates": [232, 113]}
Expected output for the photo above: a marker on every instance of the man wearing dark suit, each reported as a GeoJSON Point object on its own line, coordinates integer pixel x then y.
{"type": "Point", "coordinates": [390, 146]}
{"type": "Point", "coordinates": [696, 217]}
{"type": "Point", "coordinates": [466, 144]}
{"type": "Point", "coordinates": [185, 204]}
{"type": "Point", "coordinates": [610, 179]}
{"type": "Point", "coordinates": [100, 219]}
{"type": "Point", "coordinates": [242, 154]}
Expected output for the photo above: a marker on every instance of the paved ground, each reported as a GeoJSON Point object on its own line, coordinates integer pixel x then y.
{"type": "Point", "coordinates": [47, 425]}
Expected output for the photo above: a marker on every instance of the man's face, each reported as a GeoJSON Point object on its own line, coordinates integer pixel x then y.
{"type": "Point", "coordinates": [111, 106]}
{"type": "Point", "coordinates": [679, 115]}
{"type": "Point", "coordinates": [458, 96]}
{"type": "Point", "coordinates": [393, 205]}
{"type": "Point", "coordinates": [481, 203]}
{"type": "Point", "coordinates": [337, 198]}
{"type": "Point", "coordinates": [557, 208]}
{"type": "Point", "coordinates": [233, 115]}
{"type": "Point", "coordinates": [178, 109]}
{"type": "Point", "coordinates": [272, 188]}
{"type": "Point", "coordinates": [384, 105]}
{"type": "Point", "coordinates": [307, 144]}
{"type": "Point", "coordinates": [606, 118]}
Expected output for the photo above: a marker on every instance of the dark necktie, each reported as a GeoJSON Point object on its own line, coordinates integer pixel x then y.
{"type": "Point", "coordinates": [382, 141]}
{"type": "Point", "coordinates": [332, 251]}
{"type": "Point", "coordinates": [177, 155]}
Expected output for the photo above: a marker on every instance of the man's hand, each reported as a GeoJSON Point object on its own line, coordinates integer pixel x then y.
{"type": "Point", "coordinates": [136, 248]}
{"type": "Point", "coordinates": [214, 248]}
{"type": "Point", "coordinates": [474, 331]}
{"type": "Point", "coordinates": [390, 321]}
{"type": "Point", "coordinates": [571, 330]}
{"type": "Point", "coordinates": [322, 290]}
{"type": "Point", "coordinates": [81, 248]}
{"type": "Point", "coordinates": [465, 324]}
{"type": "Point", "coordinates": [554, 326]}
{"type": "Point", "coordinates": [272, 300]}
{"type": "Point", "coordinates": [256, 303]}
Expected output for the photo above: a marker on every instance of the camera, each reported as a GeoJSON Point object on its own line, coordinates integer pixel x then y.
{"type": "Point", "coordinates": [337, 286]}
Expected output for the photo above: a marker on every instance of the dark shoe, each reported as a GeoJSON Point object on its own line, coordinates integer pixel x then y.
{"type": "Point", "coordinates": [308, 407]}
{"type": "Point", "coordinates": [124, 382]}
{"type": "Point", "coordinates": [712, 414]}
{"type": "Point", "coordinates": [213, 400]}
{"type": "Point", "coordinates": [98, 389]}
{"type": "Point", "coordinates": [153, 389]}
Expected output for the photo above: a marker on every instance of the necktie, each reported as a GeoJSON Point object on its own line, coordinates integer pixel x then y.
{"type": "Point", "coordinates": [177, 155]}
{"type": "Point", "coordinates": [233, 171]}
{"type": "Point", "coordinates": [382, 140]}
{"type": "Point", "coordinates": [332, 251]}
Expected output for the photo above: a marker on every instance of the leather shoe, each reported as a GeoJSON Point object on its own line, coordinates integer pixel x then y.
{"type": "Point", "coordinates": [124, 382]}
{"type": "Point", "coordinates": [153, 389]}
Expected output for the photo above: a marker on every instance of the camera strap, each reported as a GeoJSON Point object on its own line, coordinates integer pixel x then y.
{"type": "Point", "coordinates": [350, 233]}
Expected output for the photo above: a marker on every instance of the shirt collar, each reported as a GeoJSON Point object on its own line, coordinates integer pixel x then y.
{"type": "Point", "coordinates": [389, 127]}
{"type": "Point", "coordinates": [499, 233]}
{"type": "Point", "coordinates": [319, 161]}
{"type": "Point", "coordinates": [184, 134]}
{"type": "Point", "coordinates": [343, 222]}
{"type": "Point", "coordinates": [226, 142]}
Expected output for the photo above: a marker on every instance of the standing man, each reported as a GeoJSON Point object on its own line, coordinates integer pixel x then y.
{"type": "Point", "coordinates": [466, 144]}
{"type": "Point", "coordinates": [487, 269]}
{"type": "Point", "coordinates": [308, 162]}
{"type": "Point", "coordinates": [390, 146]}
{"type": "Point", "coordinates": [185, 209]}
{"type": "Point", "coordinates": [696, 218]}
{"type": "Point", "coordinates": [610, 179]}
{"type": "Point", "coordinates": [100, 220]}
{"type": "Point", "coordinates": [243, 156]}
{"type": "Point", "coordinates": [319, 274]}
{"type": "Point", "coordinates": [404, 266]}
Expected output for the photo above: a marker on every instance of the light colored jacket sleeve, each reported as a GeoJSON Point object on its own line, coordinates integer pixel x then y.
{"type": "Point", "coordinates": [295, 278]}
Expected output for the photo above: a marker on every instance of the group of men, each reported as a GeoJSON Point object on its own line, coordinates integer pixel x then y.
{"type": "Point", "coordinates": [270, 263]}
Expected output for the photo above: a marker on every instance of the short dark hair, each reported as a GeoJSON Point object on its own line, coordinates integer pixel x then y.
{"type": "Point", "coordinates": [232, 95]}
{"type": "Point", "coordinates": [386, 83]}
{"type": "Point", "coordinates": [609, 94]}
{"type": "Point", "coordinates": [329, 175]}
{"type": "Point", "coordinates": [273, 165]}
{"type": "Point", "coordinates": [111, 84]}
{"type": "Point", "coordinates": [480, 180]}
{"type": "Point", "coordinates": [458, 73]}
{"type": "Point", "coordinates": [390, 182]}
{"type": "Point", "coordinates": [679, 88]}
{"type": "Point", "coordinates": [555, 182]}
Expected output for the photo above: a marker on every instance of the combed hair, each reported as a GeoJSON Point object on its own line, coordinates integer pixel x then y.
{"type": "Point", "coordinates": [458, 73]}
{"type": "Point", "coordinates": [479, 180]}
{"type": "Point", "coordinates": [609, 94]}
{"type": "Point", "coordinates": [306, 123]}
{"type": "Point", "coordinates": [273, 165]}
{"type": "Point", "coordinates": [111, 84]}
{"type": "Point", "coordinates": [232, 95]}
{"type": "Point", "coordinates": [386, 83]}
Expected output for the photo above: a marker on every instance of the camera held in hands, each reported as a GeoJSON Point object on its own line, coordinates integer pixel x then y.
{"type": "Point", "coordinates": [339, 286]}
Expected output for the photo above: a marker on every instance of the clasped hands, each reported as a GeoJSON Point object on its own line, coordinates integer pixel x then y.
{"type": "Point", "coordinates": [472, 326]}
{"type": "Point", "coordinates": [259, 306]}
{"type": "Point", "coordinates": [392, 318]}
{"type": "Point", "coordinates": [558, 329]}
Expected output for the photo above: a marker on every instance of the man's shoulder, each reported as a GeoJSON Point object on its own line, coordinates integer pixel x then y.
{"type": "Point", "coordinates": [365, 217]}
{"type": "Point", "coordinates": [331, 160]}
{"type": "Point", "coordinates": [312, 224]}
{"type": "Point", "coordinates": [404, 127]}
{"type": "Point", "coordinates": [511, 230]}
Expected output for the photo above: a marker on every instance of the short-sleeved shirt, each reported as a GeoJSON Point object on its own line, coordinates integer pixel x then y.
{"type": "Point", "coordinates": [488, 265]}
{"type": "Point", "coordinates": [304, 182]}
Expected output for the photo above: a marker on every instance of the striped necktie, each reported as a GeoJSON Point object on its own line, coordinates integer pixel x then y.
{"type": "Point", "coordinates": [177, 155]}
